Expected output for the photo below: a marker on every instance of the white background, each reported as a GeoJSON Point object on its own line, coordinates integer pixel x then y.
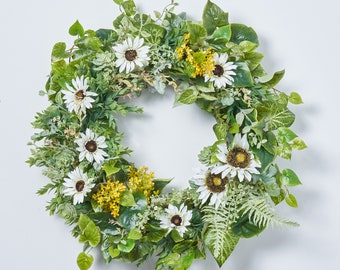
{"type": "Point", "coordinates": [299, 36]}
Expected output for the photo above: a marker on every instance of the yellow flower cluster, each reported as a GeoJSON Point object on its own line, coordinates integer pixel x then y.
{"type": "Point", "coordinates": [201, 61]}
{"type": "Point", "coordinates": [108, 196]}
{"type": "Point", "coordinates": [141, 181]}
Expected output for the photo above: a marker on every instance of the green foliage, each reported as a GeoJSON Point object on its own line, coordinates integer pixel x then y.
{"type": "Point", "coordinates": [89, 231]}
{"type": "Point", "coordinates": [84, 261]}
{"type": "Point", "coordinates": [214, 17]}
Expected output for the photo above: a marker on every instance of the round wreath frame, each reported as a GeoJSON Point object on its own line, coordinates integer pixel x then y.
{"type": "Point", "coordinates": [121, 209]}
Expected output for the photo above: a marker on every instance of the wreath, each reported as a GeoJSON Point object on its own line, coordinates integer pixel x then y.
{"type": "Point", "coordinates": [120, 208]}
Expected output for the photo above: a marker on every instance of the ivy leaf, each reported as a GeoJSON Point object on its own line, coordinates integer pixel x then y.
{"type": "Point", "coordinates": [114, 252]}
{"type": "Point", "coordinates": [59, 52]}
{"type": "Point", "coordinates": [295, 98]}
{"type": "Point", "coordinates": [129, 7]}
{"type": "Point", "coordinates": [281, 118]}
{"type": "Point", "coordinates": [291, 201]}
{"type": "Point", "coordinates": [109, 167]}
{"type": "Point", "coordinates": [220, 130]}
{"type": "Point", "coordinates": [188, 96]}
{"type": "Point", "coordinates": [298, 144]}
{"type": "Point", "coordinates": [241, 32]}
{"type": "Point", "coordinates": [84, 261]}
{"type": "Point", "coordinates": [243, 76]}
{"type": "Point", "coordinates": [213, 17]}
{"type": "Point", "coordinates": [289, 178]}
{"type": "Point", "coordinates": [134, 234]}
{"type": "Point", "coordinates": [285, 135]}
{"type": "Point", "coordinates": [90, 232]}
{"type": "Point", "coordinates": [76, 29]}
{"type": "Point", "coordinates": [153, 33]}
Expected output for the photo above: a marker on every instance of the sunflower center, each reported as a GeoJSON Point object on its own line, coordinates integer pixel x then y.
{"type": "Point", "coordinates": [215, 183]}
{"type": "Point", "coordinates": [177, 220]}
{"type": "Point", "coordinates": [80, 94]}
{"type": "Point", "coordinates": [238, 157]}
{"type": "Point", "coordinates": [80, 185]}
{"type": "Point", "coordinates": [91, 146]}
{"type": "Point", "coordinates": [131, 55]}
{"type": "Point", "coordinates": [218, 71]}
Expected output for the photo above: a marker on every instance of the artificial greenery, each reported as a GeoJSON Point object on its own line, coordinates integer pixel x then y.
{"type": "Point", "coordinates": [121, 209]}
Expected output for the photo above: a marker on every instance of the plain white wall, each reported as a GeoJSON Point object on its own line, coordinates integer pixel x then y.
{"type": "Point", "coordinates": [300, 36]}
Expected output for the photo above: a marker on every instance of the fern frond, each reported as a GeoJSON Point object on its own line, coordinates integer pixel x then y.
{"type": "Point", "coordinates": [261, 212]}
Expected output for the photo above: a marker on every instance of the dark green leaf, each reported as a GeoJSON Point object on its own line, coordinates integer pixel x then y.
{"type": "Point", "coordinates": [242, 32]}
{"type": "Point", "coordinates": [243, 76]}
{"type": "Point", "coordinates": [246, 228]}
{"type": "Point", "coordinates": [129, 7]}
{"type": "Point", "coordinates": [264, 156]}
{"type": "Point", "coordinates": [213, 17]}
{"type": "Point", "coordinates": [161, 183]}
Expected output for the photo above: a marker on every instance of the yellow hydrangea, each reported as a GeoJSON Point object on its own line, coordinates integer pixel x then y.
{"type": "Point", "coordinates": [142, 181]}
{"type": "Point", "coordinates": [201, 61]}
{"type": "Point", "coordinates": [108, 196]}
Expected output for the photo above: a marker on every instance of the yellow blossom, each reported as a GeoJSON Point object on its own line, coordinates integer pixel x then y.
{"type": "Point", "coordinates": [108, 196]}
{"type": "Point", "coordinates": [141, 181]}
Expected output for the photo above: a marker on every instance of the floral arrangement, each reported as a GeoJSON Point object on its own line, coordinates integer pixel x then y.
{"type": "Point", "coordinates": [123, 209]}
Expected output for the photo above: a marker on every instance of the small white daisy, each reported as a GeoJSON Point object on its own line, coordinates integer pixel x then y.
{"type": "Point", "coordinates": [89, 146]}
{"type": "Point", "coordinates": [77, 185]}
{"type": "Point", "coordinates": [176, 218]}
{"type": "Point", "coordinates": [223, 72]}
{"type": "Point", "coordinates": [131, 53]}
{"type": "Point", "coordinates": [76, 97]}
{"type": "Point", "coordinates": [238, 161]}
{"type": "Point", "coordinates": [211, 186]}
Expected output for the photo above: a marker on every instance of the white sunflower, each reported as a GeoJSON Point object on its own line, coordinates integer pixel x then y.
{"type": "Point", "coordinates": [176, 218]}
{"type": "Point", "coordinates": [131, 53]}
{"type": "Point", "coordinates": [223, 73]}
{"type": "Point", "coordinates": [212, 187]}
{"type": "Point", "coordinates": [76, 97]}
{"type": "Point", "coordinates": [90, 146]}
{"type": "Point", "coordinates": [77, 185]}
{"type": "Point", "coordinates": [238, 161]}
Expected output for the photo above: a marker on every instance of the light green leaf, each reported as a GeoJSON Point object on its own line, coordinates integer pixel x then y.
{"type": "Point", "coordinates": [135, 234]}
{"type": "Point", "coordinates": [289, 178]}
{"type": "Point", "coordinates": [129, 7]}
{"type": "Point", "coordinates": [295, 98]}
{"type": "Point", "coordinates": [213, 17]}
{"type": "Point", "coordinates": [271, 80]}
{"type": "Point", "coordinates": [175, 236]}
{"type": "Point", "coordinates": [118, 2]}
{"type": "Point", "coordinates": [84, 261]}
{"type": "Point", "coordinates": [90, 232]}
{"type": "Point", "coordinates": [281, 118]}
{"type": "Point", "coordinates": [109, 167]}
{"type": "Point", "coordinates": [243, 76]}
{"type": "Point", "coordinates": [291, 201]}
{"type": "Point", "coordinates": [242, 32]}
{"type": "Point", "coordinates": [207, 97]}
{"type": "Point", "coordinates": [59, 52]}
{"type": "Point", "coordinates": [127, 199]}
{"type": "Point", "coordinates": [220, 130]}
{"type": "Point", "coordinates": [76, 29]}
{"type": "Point", "coordinates": [298, 144]}
{"type": "Point", "coordinates": [188, 96]}
{"type": "Point", "coordinates": [114, 252]}
{"type": "Point", "coordinates": [126, 245]}
{"type": "Point", "coordinates": [285, 135]}
{"type": "Point", "coordinates": [223, 33]}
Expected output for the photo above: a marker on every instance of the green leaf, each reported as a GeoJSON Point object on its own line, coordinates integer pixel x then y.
{"type": "Point", "coordinates": [298, 144]}
{"type": "Point", "coordinates": [188, 96]}
{"type": "Point", "coordinates": [246, 228]}
{"type": "Point", "coordinates": [285, 135]}
{"type": "Point", "coordinates": [90, 232]}
{"type": "Point", "coordinates": [289, 178]}
{"type": "Point", "coordinates": [153, 33]}
{"type": "Point", "coordinates": [84, 261]}
{"type": "Point", "coordinates": [295, 98]}
{"type": "Point", "coordinates": [187, 260]}
{"type": "Point", "coordinates": [242, 32]}
{"type": "Point", "coordinates": [127, 199]}
{"type": "Point", "coordinates": [114, 252]}
{"type": "Point", "coordinates": [272, 80]}
{"type": "Point", "coordinates": [243, 76]}
{"type": "Point", "coordinates": [223, 33]}
{"type": "Point", "coordinates": [291, 201]}
{"type": "Point", "coordinates": [126, 245]}
{"type": "Point", "coordinates": [197, 33]}
{"type": "Point", "coordinates": [264, 156]}
{"type": "Point", "coordinates": [109, 167]}
{"type": "Point", "coordinates": [175, 236]}
{"type": "Point", "coordinates": [156, 236]}
{"type": "Point", "coordinates": [135, 234]}
{"type": "Point", "coordinates": [76, 29]}
{"type": "Point", "coordinates": [213, 17]}
{"type": "Point", "coordinates": [129, 7]}
{"type": "Point", "coordinates": [221, 244]}
{"type": "Point", "coordinates": [59, 52]}
{"type": "Point", "coordinates": [118, 2]}
{"type": "Point", "coordinates": [160, 184]}
{"type": "Point", "coordinates": [220, 130]}
{"type": "Point", "coordinates": [281, 118]}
